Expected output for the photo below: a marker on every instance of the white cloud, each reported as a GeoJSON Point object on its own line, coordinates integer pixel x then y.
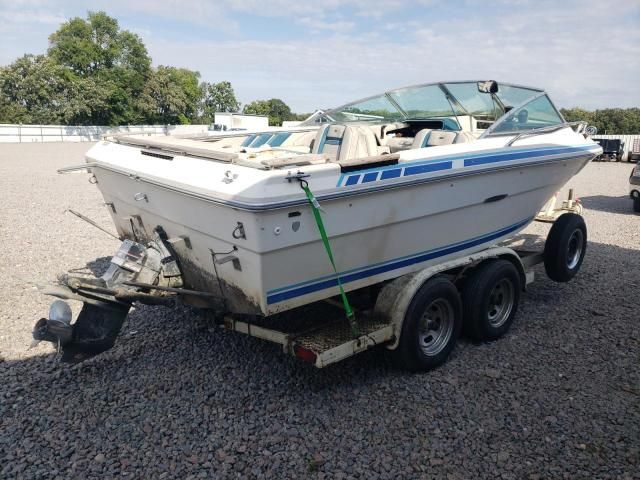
{"type": "Point", "coordinates": [324, 24]}
{"type": "Point", "coordinates": [582, 52]}
{"type": "Point", "coordinates": [582, 57]}
{"type": "Point", "coordinates": [8, 17]}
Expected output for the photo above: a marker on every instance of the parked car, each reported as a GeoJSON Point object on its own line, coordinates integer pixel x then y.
{"type": "Point", "coordinates": [612, 149]}
{"type": "Point", "coordinates": [634, 187]}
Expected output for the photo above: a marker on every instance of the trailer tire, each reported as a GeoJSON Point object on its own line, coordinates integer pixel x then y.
{"type": "Point", "coordinates": [490, 300]}
{"type": "Point", "coordinates": [565, 247]}
{"type": "Point", "coordinates": [431, 326]}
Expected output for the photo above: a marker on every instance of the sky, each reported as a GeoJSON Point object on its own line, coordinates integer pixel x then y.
{"type": "Point", "coordinates": [320, 54]}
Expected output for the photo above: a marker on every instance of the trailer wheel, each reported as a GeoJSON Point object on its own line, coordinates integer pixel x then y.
{"type": "Point", "coordinates": [490, 300]}
{"type": "Point", "coordinates": [431, 326]}
{"type": "Point", "coordinates": [565, 247]}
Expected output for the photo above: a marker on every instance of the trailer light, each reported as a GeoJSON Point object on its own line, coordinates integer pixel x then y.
{"type": "Point", "coordinates": [60, 311]}
{"type": "Point", "coordinates": [304, 354]}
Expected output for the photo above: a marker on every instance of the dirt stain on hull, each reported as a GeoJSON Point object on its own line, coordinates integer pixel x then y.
{"type": "Point", "coordinates": [232, 297]}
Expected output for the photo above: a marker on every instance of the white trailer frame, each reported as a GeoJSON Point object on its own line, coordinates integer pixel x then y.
{"type": "Point", "coordinates": [328, 344]}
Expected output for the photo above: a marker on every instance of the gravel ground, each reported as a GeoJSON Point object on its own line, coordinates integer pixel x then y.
{"type": "Point", "coordinates": [558, 397]}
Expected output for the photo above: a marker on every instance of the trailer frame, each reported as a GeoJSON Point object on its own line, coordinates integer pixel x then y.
{"type": "Point", "coordinates": [331, 342]}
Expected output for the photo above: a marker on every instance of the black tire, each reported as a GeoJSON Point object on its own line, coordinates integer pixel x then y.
{"type": "Point", "coordinates": [490, 300]}
{"type": "Point", "coordinates": [636, 204]}
{"type": "Point", "coordinates": [565, 247]}
{"type": "Point", "coordinates": [425, 343]}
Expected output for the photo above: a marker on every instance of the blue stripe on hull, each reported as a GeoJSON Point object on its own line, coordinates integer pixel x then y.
{"type": "Point", "coordinates": [293, 291]}
{"type": "Point", "coordinates": [471, 159]}
{"type": "Point", "coordinates": [429, 167]}
{"type": "Point", "coordinates": [504, 157]}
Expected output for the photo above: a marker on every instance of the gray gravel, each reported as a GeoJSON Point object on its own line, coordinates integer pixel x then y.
{"type": "Point", "coordinates": [558, 397]}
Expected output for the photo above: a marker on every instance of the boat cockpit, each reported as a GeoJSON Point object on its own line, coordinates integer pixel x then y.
{"type": "Point", "coordinates": [378, 128]}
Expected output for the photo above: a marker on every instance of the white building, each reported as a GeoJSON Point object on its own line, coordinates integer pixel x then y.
{"type": "Point", "coordinates": [243, 121]}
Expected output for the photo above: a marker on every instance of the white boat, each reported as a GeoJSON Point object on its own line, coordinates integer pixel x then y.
{"type": "Point", "coordinates": [405, 179]}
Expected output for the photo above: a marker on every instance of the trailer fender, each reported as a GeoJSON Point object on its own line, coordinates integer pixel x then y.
{"type": "Point", "coordinates": [395, 297]}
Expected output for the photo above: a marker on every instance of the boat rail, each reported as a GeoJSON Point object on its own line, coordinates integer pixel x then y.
{"type": "Point", "coordinates": [543, 130]}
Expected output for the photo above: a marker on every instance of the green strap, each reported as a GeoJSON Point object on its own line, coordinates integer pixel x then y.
{"type": "Point", "coordinates": [315, 207]}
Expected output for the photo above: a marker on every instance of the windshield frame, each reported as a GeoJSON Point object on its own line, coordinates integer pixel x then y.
{"type": "Point", "coordinates": [490, 132]}
{"type": "Point", "coordinates": [456, 106]}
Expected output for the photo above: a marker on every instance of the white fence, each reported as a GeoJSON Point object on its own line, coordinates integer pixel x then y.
{"type": "Point", "coordinates": [14, 133]}
{"type": "Point", "coordinates": [58, 133]}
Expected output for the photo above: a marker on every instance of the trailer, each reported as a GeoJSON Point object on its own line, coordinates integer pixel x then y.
{"type": "Point", "coordinates": [418, 316]}
{"type": "Point", "coordinates": [612, 149]}
{"type": "Point", "coordinates": [633, 155]}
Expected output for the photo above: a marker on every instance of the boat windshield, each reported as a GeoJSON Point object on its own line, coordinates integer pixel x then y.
{"type": "Point", "coordinates": [470, 105]}
{"type": "Point", "coordinates": [372, 109]}
{"type": "Point", "coordinates": [536, 113]}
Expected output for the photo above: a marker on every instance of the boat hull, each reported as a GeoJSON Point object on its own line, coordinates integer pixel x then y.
{"type": "Point", "coordinates": [276, 260]}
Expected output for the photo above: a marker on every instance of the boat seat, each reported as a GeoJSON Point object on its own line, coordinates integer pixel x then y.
{"type": "Point", "coordinates": [278, 139]}
{"type": "Point", "coordinates": [392, 127]}
{"type": "Point", "coordinates": [300, 139]}
{"type": "Point", "coordinates": [259, 140]}
{"type": "Point", "coordinates": [392, 139]}
{"type": "Point", "coordinates": [247, 141]}
{"type": "Point", "coordinates": [465, 137]}
{"type": "Point", "coordinates": [435, 138]}
{"type": "Point", "coordinates": [397, 144]}
{"type": "Point", "coordinates": [347, 142]}
{"type": "Point", "coordinates": [378, 132]}
{"type": "Point", "coordinates": [421, 138]}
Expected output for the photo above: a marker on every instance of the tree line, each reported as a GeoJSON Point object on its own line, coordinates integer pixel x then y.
{"type": "Point", "coordinates": [619, 121]}
{"type": "Point", "coordinates": [95, 73]}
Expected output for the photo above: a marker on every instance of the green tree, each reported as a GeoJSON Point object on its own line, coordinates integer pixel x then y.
{"type": "Point", "coordinates": [115, 60]}
{"type": "Point", "coordinates": [618, 120]}
{"type": "Point", "coordinates": [35, 89]}
{"type": "Point", "coordinates": [577, 114]}
{"type": "Point", "coordinates": [218, 97]}
{"type": "Point", "coordinates": [171, 95]}
{"type": "Point", "coordinates": [621, 121]}
{"type": "Point", "coordinates": [275, 109]}
{"type": "Point", "coordinates": [96, 44]}
{"type": "Point", "coordinates": [300, 116]}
